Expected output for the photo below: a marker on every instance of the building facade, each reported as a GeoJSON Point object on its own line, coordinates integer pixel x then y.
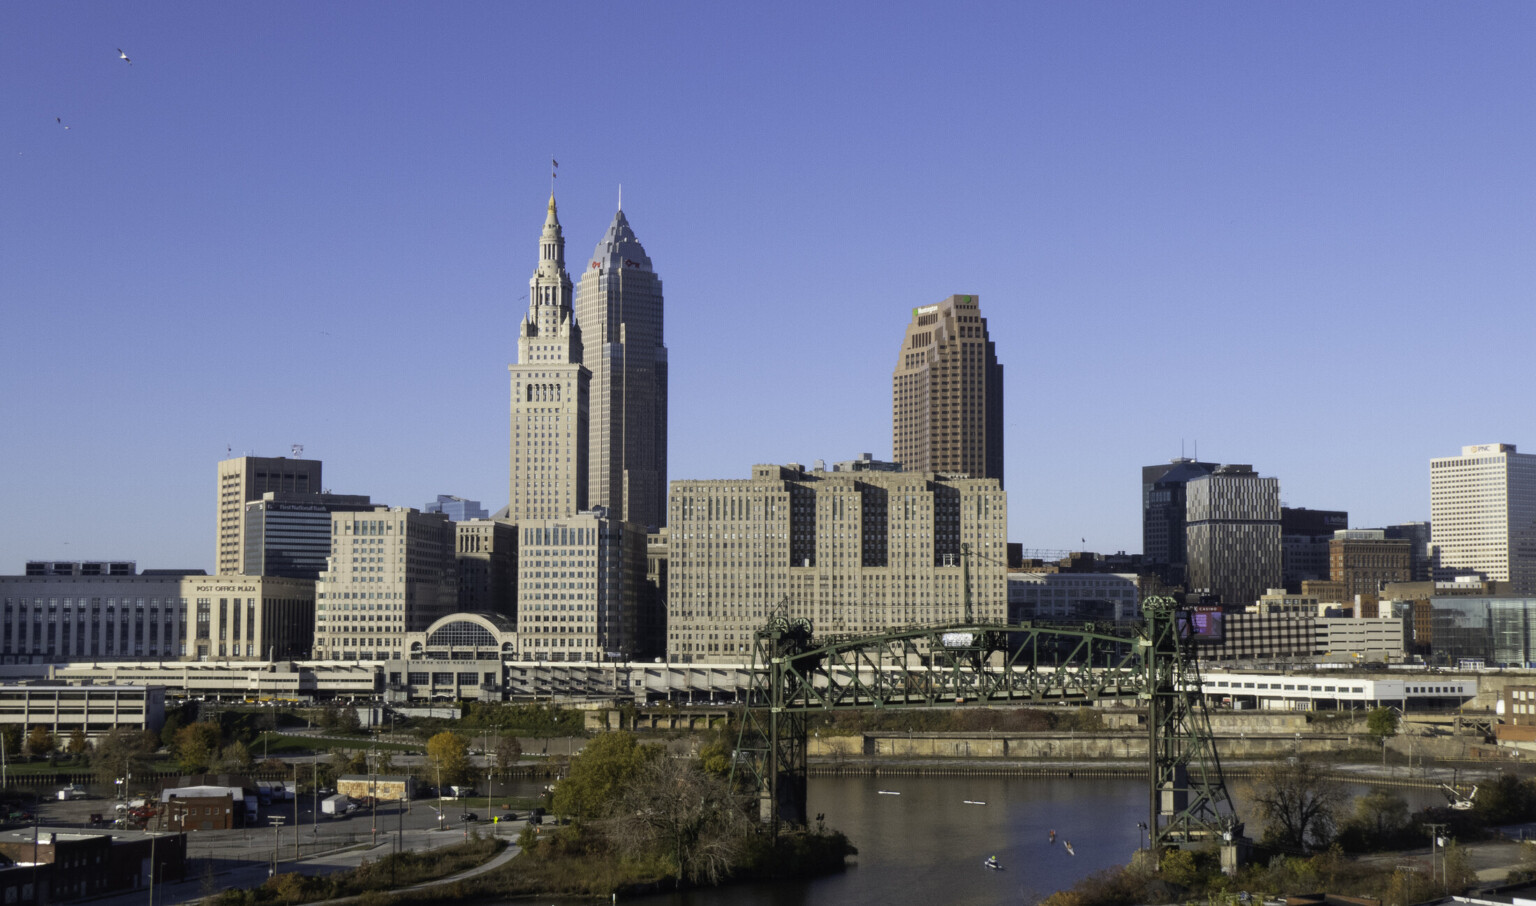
{"type": "Point", "coordinates": [579, 584]}
{"type": "Point", "coordinates": [485, 554]}
{"type": "Point", "coordinates": [244, 479]}
{"type": "Point", "coordinates": [1163, 526]}
{"type": "Point", "coordinates": [456, 508]}
{"type": "Point", "coordinates": [619, 309]}
{"type": "Point", "coordinates": [947, 393]}
{"type": "Point", "coordinates": [550, 387]}
{"type": "Point", "coordinates": [1364, 560]}
{"type": "Point", "coordinates": [1233, 534]}
{"type": "Point", "coordinates": [289, 534]}
{"type": "Point", "coordinates": [51, 619]}
{"type": "Point", "coordinates": [1483, 515]}
{"type": "Point", "coordinates": [1483, 632]}
{"type": "Point", "coordinates": [1072, 596]}
{"type": "Point", "coordinates": [856, 553]}
{"type": "Point", "coordinates": [391, 571]}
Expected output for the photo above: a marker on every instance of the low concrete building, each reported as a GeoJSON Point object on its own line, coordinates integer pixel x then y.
{"type": "Point", "coordinates": [94, 709]}
{"type": "Point", "coordinates": [384, 787]}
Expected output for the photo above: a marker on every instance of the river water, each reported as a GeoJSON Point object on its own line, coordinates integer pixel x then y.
{"type": "Point", "coordinates": [926, 846]}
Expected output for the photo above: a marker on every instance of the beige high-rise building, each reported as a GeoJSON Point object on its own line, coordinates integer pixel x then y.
{"type": "Point", "coordinates": [486, 557]}
{"type": "Point", "coordinates": [549, 394]}
{"type": "Point", "coordinates": [856, 552]}
{"type": "Point", "coordinates": [578, 584]}
{"type": "Point", "coordinates": [619, 309]}
{"type": "Point", "coordinates": [1483, 515]}
{"type": "Point", "coordinates": [246, 478]}
{"type": "Point", "coordinates": [391, 571]}
{"type": "Point", "coordinates": [947, 393]}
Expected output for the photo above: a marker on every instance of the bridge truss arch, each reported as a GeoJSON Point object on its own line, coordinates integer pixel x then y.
{"type": "Point", "coordinates": [795, 674]}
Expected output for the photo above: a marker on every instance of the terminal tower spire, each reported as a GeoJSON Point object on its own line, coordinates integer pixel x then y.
{"type": "Point", "coordinates": [549, 393]}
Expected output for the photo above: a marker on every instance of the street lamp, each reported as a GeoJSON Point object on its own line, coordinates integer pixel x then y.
{"type": "Point", "coordinates": [277, 837]}
{"type": "Point", "coordinates": [1141, 829]}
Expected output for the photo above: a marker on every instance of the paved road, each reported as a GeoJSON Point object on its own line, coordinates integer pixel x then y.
{"type": "Point", "coordinates": [242, 858]}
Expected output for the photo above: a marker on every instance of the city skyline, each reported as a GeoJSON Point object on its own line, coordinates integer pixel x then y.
{"type": "Point", "coordinates": [1295, 236]}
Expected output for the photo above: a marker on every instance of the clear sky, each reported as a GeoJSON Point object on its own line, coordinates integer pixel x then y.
{"type": "Point", "coordinates": [1299, 235]}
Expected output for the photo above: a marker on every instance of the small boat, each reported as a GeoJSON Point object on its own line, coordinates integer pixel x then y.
{"type": "Point", "coordinates": [1070, 850]}
{"type": "Point", "coordinates": [889, 793]}
{"type": "Point", "coordinates": [992, 863]}
{"type": "Point", "coordinates": [974, 802]}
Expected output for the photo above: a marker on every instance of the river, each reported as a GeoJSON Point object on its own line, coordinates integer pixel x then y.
{"type": "Point", "coordinates": [926, 846]}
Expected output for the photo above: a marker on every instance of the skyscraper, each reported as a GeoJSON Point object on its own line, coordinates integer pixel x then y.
{"type": "Point", "coordinates": [549, 393]}
{"type": "Point", "coordinates": [1163, 527]}
{"type": "Point", "coordinates": [619, 310]}
{"type": "Point", "coordinates": [947, 393]}
{"type": "Point", "coordinates": [1483, 515]}
{"type": "Point", "coordinates": [244, 479]}
{"type": "Point", "coordinates": [1233, 533]}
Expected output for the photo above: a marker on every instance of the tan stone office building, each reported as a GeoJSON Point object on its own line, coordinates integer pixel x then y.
{"type": "Point", "coordinates": [947, 393]}
{"type": "Point", "coordinates": [550, 388]}
{"type": "Point", "coordinates": [856, 552]}
{"type": "Point", "coordinates": [579, 584]}
{"type": "Point", "coordinates": [392, 571]}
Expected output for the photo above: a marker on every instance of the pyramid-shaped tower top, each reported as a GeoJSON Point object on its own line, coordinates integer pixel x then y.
{"type": "Point", "coordinates": [619, 247]}
{"type": "Point", "coordinates": [552, 221]}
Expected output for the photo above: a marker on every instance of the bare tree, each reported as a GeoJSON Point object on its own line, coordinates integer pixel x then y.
{"type": "Point", "coordinates": [672, 806]}
{"type": "Point", "coordinates": [1298, 802]}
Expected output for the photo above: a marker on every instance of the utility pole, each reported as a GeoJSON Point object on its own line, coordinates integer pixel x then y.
{"type": "Point", "coordinates": [152, 870]}
{"type": "Point", "coordinates": [1436, 842]}
{"type": "Point", "coordinates": [295, 813]}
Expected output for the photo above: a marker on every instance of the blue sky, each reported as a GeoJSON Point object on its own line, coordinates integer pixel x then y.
{"type": "Point", "coordinates": [1299, 235]}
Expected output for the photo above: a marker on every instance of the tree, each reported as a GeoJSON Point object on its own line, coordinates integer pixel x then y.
{"type": "Point", "coordinates": [1379, 818]}
{"type": "Point", "coordinates": [348, 761]}
{"type": "Point", "coordinates": [78, 744]}
{"type": "Point", "coordinates": [10, 739]}
{"type": "Point", "coordinates": [235, 758]}
{"type": "Point", "coordinates": [448, 756]}
{"type": "Point", "coordinates": [1507, 799]}
{"type": "Point", "coordinates": [674, 808]}
{"type": "Point", "coordinates": [507, 752]}
{"type": "Point", "coordinates": [598, 772]}
{"type": "Point", "coordinates": [121, 752]}
{"type": "Point", "coordinates": [1298, 802]}
{"type": "Point", "coordinates": [40, 741]}
{"type": "Point", "coordinates": [196, 747]}
{"type": "Point", "coordinates": [1382, 723]}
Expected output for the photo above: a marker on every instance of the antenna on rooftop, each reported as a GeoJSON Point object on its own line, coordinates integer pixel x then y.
{"type": "Point", "coordinates": [298, 450]}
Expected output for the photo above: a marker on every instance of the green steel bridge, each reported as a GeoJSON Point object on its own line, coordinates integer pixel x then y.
{"type": "Point", "coordinates": [977, 664]}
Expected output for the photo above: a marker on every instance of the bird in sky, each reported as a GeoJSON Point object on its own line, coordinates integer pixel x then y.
{"type": "Point", "coordinates": [124, 57]}
{"type": "Point", "coordinates": [60, 122]}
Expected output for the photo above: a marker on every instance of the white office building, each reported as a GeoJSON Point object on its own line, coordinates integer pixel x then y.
{"type": "Point", "coordinates": [1483, 515]}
